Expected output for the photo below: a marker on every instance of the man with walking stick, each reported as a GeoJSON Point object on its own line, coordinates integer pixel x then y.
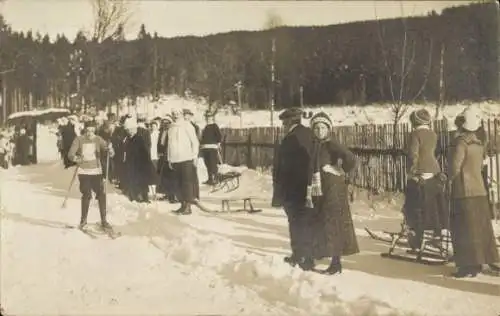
{"type": "Point", "coordinates": [88, 151]}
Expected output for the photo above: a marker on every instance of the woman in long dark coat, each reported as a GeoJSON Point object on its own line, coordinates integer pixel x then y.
{"type": "Point", "coordinates": [472, 231]}
{"type": "Point", "coordinates": [334, 234]}
{"type": "Point", "coordinates": [138, 164]}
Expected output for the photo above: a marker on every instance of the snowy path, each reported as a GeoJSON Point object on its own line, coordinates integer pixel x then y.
{"type": "Point", "coordinates": [230, 264]}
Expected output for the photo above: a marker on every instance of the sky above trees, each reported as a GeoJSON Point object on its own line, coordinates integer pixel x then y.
{"type": "Point", "coordinates": [180, 18]}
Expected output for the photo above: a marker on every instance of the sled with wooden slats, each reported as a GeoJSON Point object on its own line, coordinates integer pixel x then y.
{"type": "Point", "coordinates": [404, 245]}
{"type": "Point", "coordinates": [227, 182]}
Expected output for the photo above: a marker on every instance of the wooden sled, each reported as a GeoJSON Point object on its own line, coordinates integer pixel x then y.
{"type": "Point", "coordinates": [431, 251]}
{"type": "Point", "coordinates": [227, 182]}
{"type": "Point", "coordinates": [247, 205]}
{"type": "Point", "coordinates": [225, 207]}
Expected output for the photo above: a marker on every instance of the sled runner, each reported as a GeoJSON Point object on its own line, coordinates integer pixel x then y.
{"type": "Point", "coordinates": [247, 205]}
{"type": "Point", "coordinates": [428, 250]}
{"type": "Point", "coordinates": [227, 182]}
{"type": "Point", "coordinates": [225, 208]}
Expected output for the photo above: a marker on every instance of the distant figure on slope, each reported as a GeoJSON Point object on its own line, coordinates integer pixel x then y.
{"type": "Point", "coordinates": [211, 138]}
{"type": "Point", "coordinates": [182, 155]}
{"type": "Point", "coordinates": [89, 153]}
{"type": "Point", "coordinates": [291, 176]}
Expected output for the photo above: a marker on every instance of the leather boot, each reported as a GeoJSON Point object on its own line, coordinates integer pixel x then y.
{"type": "Point", "coordinates": [181, 209]}
{"type": "Point", "coordinates": [464, 272]}
{"type": "Point", "coordinates": [102, 210]}
{"type": "Point", "coordinates": [335, 266]}
{"type": "Point", "coordinates": [186, 210]}
{"type": "Point", "coordinates": [85, 205]}
{"type": "Point", "coordinates": [307, 264]}
{"type": "Point", "coordinates": [291, 260]}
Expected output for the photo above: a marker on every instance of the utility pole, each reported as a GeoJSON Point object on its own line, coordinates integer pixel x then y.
{"type": "Point", "coordinates": [301, 96]}
{"type": "Point", "coordinates": [238, 89]}
{"type": "Point", "coordinates": [273, 80]}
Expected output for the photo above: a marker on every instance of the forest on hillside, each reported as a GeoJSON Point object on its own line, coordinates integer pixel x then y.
{"type": "Point", "coordinates": [447, 57]}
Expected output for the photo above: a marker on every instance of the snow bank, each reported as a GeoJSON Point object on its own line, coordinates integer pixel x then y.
{"type": "Point", "coordinates": [182, 266]}
{"type": "Point", "coordinates": [38, 112]}
{"type": "Point", "coordinates": [340, 115]}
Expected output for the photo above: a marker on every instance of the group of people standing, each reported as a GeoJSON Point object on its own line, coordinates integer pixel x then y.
{"type": "Point", "coordinates": [309, 182]}
{"type": "Point", "coordinates": [141, 158]}
{"type": "Point", "coordinates": [18, 148]}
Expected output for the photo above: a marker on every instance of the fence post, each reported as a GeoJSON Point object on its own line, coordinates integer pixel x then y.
{"type": "Point", "coordinates": [249, 150]}
{"type": "Point", "coordinates": [224, 146]}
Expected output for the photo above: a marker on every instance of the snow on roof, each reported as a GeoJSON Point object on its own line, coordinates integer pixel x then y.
{"type": "Point", "coordinates": [37, 112]}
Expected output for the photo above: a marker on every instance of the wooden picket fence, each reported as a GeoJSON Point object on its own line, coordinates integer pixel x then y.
{"type": "Point", "coordinates": [379, 148]}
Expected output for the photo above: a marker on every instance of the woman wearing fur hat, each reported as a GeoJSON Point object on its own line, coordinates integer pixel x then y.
{"type": "Point", "coordinates": [425, 205]}
{"type": "Point", "coordinates": [182, 155]}
{"type": "Point", "coordinates": [472, 232]}
{"type": "Point", "coordinates": [328, 192]}
{"type": "Point", "coordinates": [89, 152]}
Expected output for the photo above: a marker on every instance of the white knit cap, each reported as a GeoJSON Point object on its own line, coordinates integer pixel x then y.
{"type": "Point", "coordinates": [130, 123]}
{"type": "Point", "coordinates": [472, 119]}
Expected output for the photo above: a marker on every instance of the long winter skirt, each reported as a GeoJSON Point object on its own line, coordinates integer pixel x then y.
{"type": "Point", "coordinates": [334, 234]}
{"type": "Point", "coordinates": [472, 232]}
{"type": "Point", "coordinates": [167, 183]}
{"type": "Point", "coordinates": [186, 181]}
{"type": "Point", "coordinates": [426, 205]}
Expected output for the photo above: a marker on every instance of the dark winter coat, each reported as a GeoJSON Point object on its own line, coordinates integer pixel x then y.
{"type": "Point", "coordinates": [140, 169]}
{"type": "Point", "coordinates": [334, 233]}
{"type": "Point", "coordinates": [471, 228]}
{"type": "Point", "coordinates": [421, 152]}
{"type": "Point", "coordinates": [291, 172]}
{"type": "Point", "coordinates": [211, 135]}
{"type": "Point", "coordinates": [68, 135]}
{"type": "Point", "coordinates": [23, 144]}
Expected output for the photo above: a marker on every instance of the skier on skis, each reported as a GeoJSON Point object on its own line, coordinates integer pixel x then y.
{"type": "Point", "coordinates": [89, 152]}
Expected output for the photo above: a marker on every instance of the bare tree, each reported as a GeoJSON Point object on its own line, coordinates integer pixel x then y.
{"type": "Point", "coordinates": [397, 82]}
{"type": "Point", "coordinates": [111, 17]}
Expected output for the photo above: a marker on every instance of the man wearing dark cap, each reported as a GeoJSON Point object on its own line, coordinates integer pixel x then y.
{"type": "Point", "coordinates": [290, 179]}
{"type": "Point", "coordinates": [211, 138]}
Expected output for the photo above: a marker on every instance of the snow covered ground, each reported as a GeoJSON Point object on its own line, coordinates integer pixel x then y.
{"type": "Point", "coordinates": [203, 263]}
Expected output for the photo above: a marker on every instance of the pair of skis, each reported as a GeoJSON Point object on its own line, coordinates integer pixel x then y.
{"type": "Point", "coordinates": [111, 233]}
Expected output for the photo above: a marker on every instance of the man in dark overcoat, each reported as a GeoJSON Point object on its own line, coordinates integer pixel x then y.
{"type": "Point", "coordinates": [291, 176]}
{"type": "Point", "coordinates": [138, 164]}
{"type": "Point", "coordinates": [118, 138]}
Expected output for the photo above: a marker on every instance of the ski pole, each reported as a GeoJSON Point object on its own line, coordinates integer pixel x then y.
{"type": "Point", "coordinates": [107, 172]}
{"type": "Point", "coordinates": [69, 188]}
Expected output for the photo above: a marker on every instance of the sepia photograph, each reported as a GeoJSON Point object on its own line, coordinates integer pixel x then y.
{"type": "Point", "coordinates": [162, 157]}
